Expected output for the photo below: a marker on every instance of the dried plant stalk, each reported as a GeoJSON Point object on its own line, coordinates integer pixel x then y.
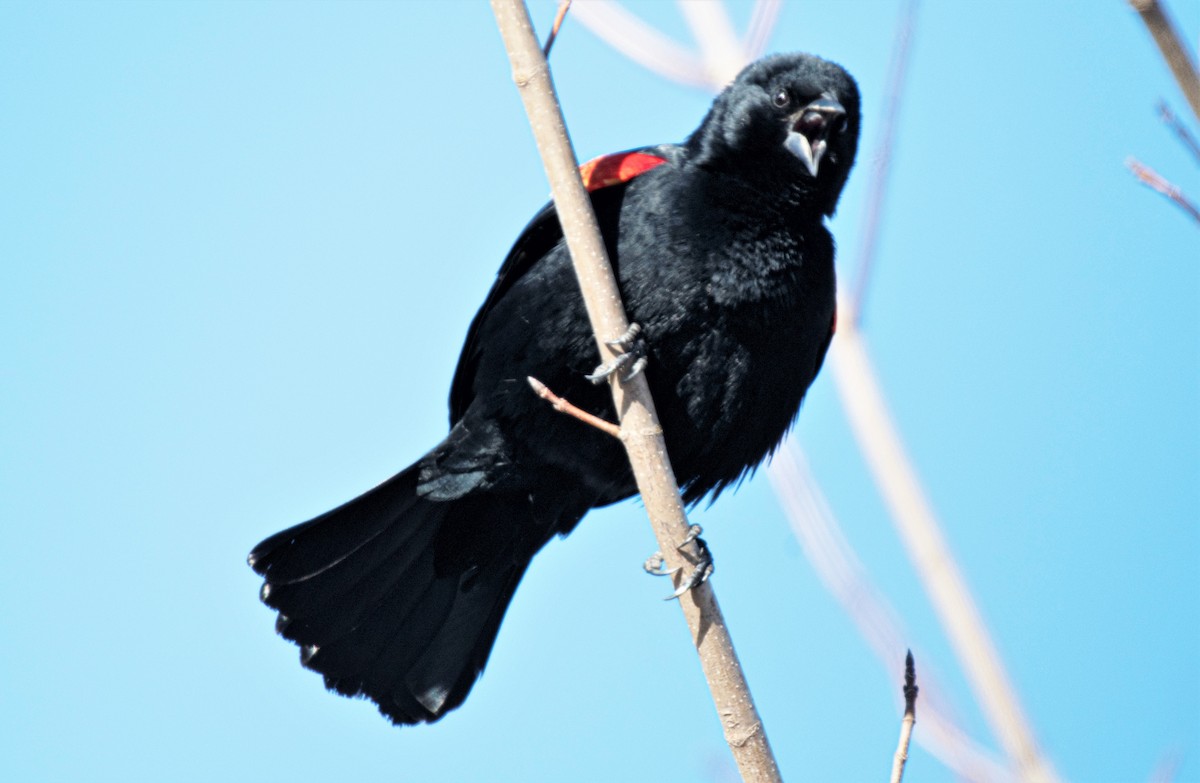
{"type": "Point", "coordinates": [640, 431]}
{"type": "Point", "coordinates": [1178, 58]}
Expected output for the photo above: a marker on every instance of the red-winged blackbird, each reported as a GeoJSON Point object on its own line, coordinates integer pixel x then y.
{"type": "Point", "coordinates": [723, 258]}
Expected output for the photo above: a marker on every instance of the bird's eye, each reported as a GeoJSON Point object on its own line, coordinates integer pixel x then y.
{"type": "Point", "coordinates": [781, 98]}
{"type": "Point", "coordinates": [841, 125]}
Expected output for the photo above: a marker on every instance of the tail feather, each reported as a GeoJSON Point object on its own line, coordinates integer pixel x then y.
{"type": "Point", "coordinates": [374, 653]}
{"type": "Point", "coordinates": [312, 547]}
{"type": "Point", "coordinates": [404, 645]}
{"type": "Point", "coordinates": [396, 597]}
{"type": "Point", "coordinates": [347, 597]}
{"type": "Point", "coordinates": [437, 678]}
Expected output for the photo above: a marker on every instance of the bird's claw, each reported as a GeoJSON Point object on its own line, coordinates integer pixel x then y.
{"type": "Point", "coordinates": [697, 577]}
{"type": "Point", "coordinates": [626, 341]}
{"type": "Point", "coordinates": [655, 566]}
{"type": "Point", "coordinates": [693, 534]}
{"type": "Point", "coordinates": [632, 356]}
{"type": "Point", "coordinates": [700, 573]}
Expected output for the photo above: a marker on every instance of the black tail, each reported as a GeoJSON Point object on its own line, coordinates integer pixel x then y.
{"type": "Point", "coordinates": [396, 597]}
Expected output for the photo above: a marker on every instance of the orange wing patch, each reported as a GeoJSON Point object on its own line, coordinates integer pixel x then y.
{"type": "Point", "coordinates": [614, 169]}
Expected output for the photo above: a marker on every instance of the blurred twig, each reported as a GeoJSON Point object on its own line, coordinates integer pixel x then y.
{"type": "Point", "coordinates": [1156, 181]}
{"type": "Point", "coordinates": [1167, 770]}
{"type": "Point", "coordinates": [641, 43]}
{"type": "Point", "coordinates": [868, 239]}
{"type": "Point", "coordinates": [1178, 58]}
{"type": "Point", "coordinates": [722, 53]}
{"type": "Point", "coordinates": [922, 536]}
{"type": "Point", "coordinates": [842, 573]}
{"type": "Point", "coordinates": [720, 48]}
{"type": "Point", "coordinates": [758, 30]}
{"type": "Point", "coordinates": [1179, 129]}
{"type": "Point", "coordinates": [897, 480]}
{"type": "Point", "coordinates": [640, 431]}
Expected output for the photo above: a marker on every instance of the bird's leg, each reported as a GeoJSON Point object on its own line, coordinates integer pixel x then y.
{"type": "Point", "coordinates": [632, 354]}
{"type": "Point", "coordinates": [700, 572]}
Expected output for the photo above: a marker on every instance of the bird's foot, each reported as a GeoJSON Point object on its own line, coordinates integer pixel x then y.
{"type": "Point", "coordinates": [632, 355]}
{"type": "Point", "coordinates": [701, 571]}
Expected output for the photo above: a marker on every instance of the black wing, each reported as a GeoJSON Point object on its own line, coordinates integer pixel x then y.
{"type": "Point", "coordinates": [537, 240]}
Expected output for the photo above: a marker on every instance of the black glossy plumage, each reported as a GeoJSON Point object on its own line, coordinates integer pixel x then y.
{"type": "Point", "coordinates": [722, 257]}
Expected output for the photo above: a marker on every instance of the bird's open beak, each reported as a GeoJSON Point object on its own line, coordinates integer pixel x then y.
{"type": "Point", "coordinates": [808, 134]}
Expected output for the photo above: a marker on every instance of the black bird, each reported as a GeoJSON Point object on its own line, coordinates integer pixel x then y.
{"type": "Point", "coordinates": [723, 258]}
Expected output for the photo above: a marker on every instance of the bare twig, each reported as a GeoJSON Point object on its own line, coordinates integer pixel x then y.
{"type": "Point", "coordinates": [563, 7]}
{"type": "Point", "coordinates": [1180, 60]}
{"type": "Point", "coordinates": [561, 405]}
{"type": "Point", "coordinates": [869, 237]}
{"type": "Point", "coordinates": [1180, 130]}
{"type": "Point", "coordinates": [1156, 181]}
{"type": "Point", "coordinates": [640, 430]}
{"type": "Point", "coordinates": [843, 574]}
{"type": "Point", "coordinates": [922, 536]}
{"type": "Point", "coordinates": [910, 718]}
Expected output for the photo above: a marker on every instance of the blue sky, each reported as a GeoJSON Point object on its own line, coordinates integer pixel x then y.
{"type": "Point", "coordinates": [241, 245]}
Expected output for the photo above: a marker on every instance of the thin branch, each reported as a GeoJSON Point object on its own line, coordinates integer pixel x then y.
{"type": "Point", "coordinates": [563, 7]}
{"type": "Point", "coordinates": [869, 237]}
{"type": "Point", "coordinates": [1179, 129]}
{"type": "Point", "coordinates": [561, 405]}
{"type": "Point", "coordinates": [1180, 60]}
{"type": "Point", "coordinates": [640, 430]}
{"type": "Point", "coordinates": [910, 718]}
{"type": "Point", "coordinates": [1156, 181]}
{"type": "Point", "coordinates": [927, 548]}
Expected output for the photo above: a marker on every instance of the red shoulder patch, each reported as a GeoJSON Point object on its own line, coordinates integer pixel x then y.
{"type": "Point", "coordinates": [614, 169]}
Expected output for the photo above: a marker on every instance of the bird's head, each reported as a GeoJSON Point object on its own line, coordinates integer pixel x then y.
{"type": "Point", "coordinates": [789, 117]}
